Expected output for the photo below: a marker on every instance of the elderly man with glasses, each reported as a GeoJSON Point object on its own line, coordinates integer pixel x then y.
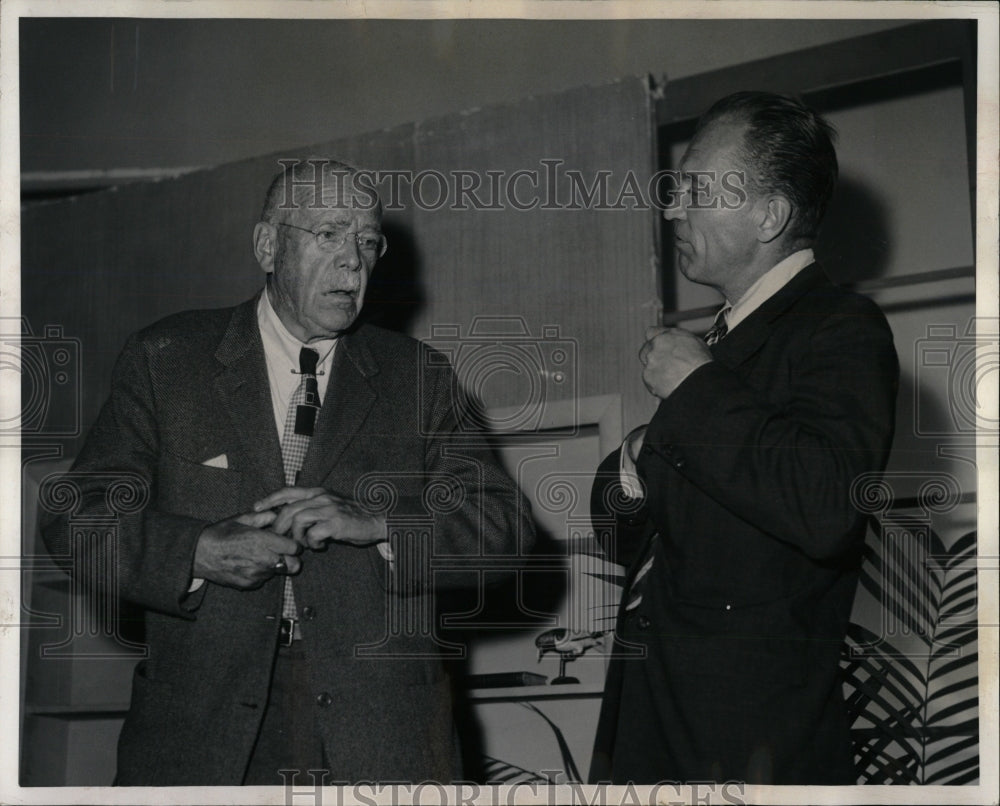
{"type": "Point", "coordinates": [303, 468]}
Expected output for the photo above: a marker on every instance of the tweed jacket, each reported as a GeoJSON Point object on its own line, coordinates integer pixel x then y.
{"type": "Point", "coordinates": [194, 387]}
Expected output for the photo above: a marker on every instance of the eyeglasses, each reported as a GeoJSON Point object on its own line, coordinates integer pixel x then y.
{"type": "Point", "coordinates": [370, 244]}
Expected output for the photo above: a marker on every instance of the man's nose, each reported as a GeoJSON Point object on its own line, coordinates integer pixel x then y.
{"type": "Point", "coordinates": [676, 211]}
{"type": "Point", "coordinates": [349, 255]}
{"type": "Point", "coordinates": [677, 206]}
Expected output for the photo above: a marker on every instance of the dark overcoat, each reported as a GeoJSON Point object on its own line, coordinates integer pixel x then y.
{"type": "Point", "coordinates": [727, 669]}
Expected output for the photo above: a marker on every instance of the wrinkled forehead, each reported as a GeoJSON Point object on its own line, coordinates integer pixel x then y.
{"type": "Point", "coordinates": [330, 195]}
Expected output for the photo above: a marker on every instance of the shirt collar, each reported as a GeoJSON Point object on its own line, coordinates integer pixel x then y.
{"type": "Point", "coordinates": [274, 332]}
{"type": "Point", "coordinates": [766, 286]}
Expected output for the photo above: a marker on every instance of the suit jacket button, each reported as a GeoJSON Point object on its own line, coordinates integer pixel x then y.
{"type": "Point", "coordinates": [308, 613]}
{"type": "Point", "coordinates": [324, 700]}
{"type": "Point", "coordinates": [679, 462]}
{"type": "Point", "coordinates": [643, 622]}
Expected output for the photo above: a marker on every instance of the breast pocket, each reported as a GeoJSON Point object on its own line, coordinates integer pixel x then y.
{"type": "Point", "coordinates": [187, 488]}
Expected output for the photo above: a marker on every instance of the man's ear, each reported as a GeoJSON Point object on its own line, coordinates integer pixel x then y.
{"type": "Point", "coordinates": [265, 244]}
{"type": "Point", "coordinates": [775, 215]}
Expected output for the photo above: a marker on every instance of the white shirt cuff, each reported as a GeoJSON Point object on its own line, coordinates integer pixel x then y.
{"type": "Point", "coordinates": [631, 485]}
{"type": "Point", "coordinates": [386, 551]}
{"type": "Point", "coordinates": [196, 583]}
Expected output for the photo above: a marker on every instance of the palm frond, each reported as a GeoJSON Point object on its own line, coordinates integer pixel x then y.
{"type": "Point", "coordinates": [497, 771]}
{"type": "Point", "coordinates": [569, 764]}
{"type": "Point", "coordinates": [911, 666]}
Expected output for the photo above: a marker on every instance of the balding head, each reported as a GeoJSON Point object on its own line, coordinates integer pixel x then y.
{"type": "Point", "coordinates": [787, 148]}
{"type": "Point", "coordinates": [317, 183]}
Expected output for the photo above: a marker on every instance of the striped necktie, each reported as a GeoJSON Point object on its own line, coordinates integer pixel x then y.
{"type": "Point", "coordinates": [299, 425]}
{"type": "Point", "coordinates": [718, 330]}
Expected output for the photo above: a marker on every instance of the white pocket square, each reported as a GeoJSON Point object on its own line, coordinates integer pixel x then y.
{"type": "Point", "coordinates": [217, 461]}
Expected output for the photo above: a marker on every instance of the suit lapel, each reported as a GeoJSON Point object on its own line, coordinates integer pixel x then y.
{"type": "Point", "coordinates": [751, 334]}
{"type": "Point", "coordinates": [349, 398]}
{"type": "Point", "coordinates": [243, 386]}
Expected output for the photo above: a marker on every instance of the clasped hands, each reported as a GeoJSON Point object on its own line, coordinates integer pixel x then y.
{"type": "Point", "coordinates": [246, 550]}
{"type": "Point", "coordinates": [669, 355]}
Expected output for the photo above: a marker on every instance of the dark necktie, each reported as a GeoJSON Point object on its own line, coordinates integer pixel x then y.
{"type": "Point", "coordinates": [300, 422]}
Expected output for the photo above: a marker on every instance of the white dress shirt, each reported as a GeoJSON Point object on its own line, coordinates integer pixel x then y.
{"type": "Point", "coordinates": [767, 285]}
{"type": "Point", "coordinates": [281, 354]}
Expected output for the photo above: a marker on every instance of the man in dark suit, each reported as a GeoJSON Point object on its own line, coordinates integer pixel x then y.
{"type": "Point", "coordinates": [734, 510]}
{"type": "Point", "coordinates": [302, 469]}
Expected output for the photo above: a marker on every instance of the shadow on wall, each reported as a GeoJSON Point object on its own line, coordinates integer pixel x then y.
{"type": "Point", "coordinates": [936, 416]}
{"type": "Point", "coordinates": [396, 293]}
{"type": "Point", "coordinates": [853, 243]}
